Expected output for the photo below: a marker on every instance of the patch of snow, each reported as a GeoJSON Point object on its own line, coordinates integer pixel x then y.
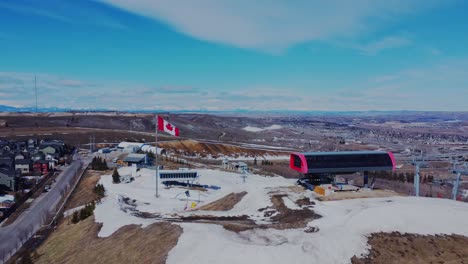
{"type": "Point", "coordinates": [71, 211]}
{"type": "Point", "coordinates": [245, 158]}
{"type": "Point", "coordinates": [290, 203]}
{"type": "Point", "coordinates": [273, 127]}
{"type": "Point", "coordinates": [258, 129]}
{"type": "Point", "coordinates": [256, 146]}
{"type": "Point", "coordinates": [253, 129]}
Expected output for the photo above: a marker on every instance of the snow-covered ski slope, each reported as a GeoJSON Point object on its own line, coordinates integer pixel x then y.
{"type": "Point", "coordinates": [342, 229]}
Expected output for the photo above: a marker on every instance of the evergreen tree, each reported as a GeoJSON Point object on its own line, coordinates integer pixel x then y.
{"type": "Point", "coordinates": [99, 190]}
{"type": "Point", "coordinates": [75, 217]}
{"type": "Point", "coordinates": [115, 176]}
{"type": "Point", "coordinates": [423, 179]}
{"type": "Point", "coordinates": [26, 258]}
{"type": "Point", "coordinates": [83, 214]}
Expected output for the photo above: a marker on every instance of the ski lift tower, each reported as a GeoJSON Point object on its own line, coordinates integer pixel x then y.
{"type": "Point", "coordinates": [457, 182]}
{"type": "Point", "coordinates": [418, 164]}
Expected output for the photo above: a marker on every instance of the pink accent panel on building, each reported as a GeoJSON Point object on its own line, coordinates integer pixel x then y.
{"type": "Point", "coordinates": [393, 160]}
{"type": "Point", "coordinates": [304, 168]}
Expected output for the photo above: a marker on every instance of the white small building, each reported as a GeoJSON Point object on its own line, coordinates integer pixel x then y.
{"type": "Point", "coordinates": [152, 149]}
{"type": "Point", "coordinates": [130, 147]}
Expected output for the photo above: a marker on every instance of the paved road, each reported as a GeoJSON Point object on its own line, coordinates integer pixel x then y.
{"type": "Point", "coordinates": [31, 220]}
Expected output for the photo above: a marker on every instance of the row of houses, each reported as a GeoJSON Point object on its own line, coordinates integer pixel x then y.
{"type": "Point", "coordinates": [31, 157]}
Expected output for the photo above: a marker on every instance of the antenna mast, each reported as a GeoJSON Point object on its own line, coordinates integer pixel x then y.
{"type": "Point", "coordinates": [35, 90]}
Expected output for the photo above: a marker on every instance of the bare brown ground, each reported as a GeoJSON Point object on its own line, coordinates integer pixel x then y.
{"type": "Point", "coordinates": [192, 146]}
{"type": "Point", "coordinates": [285, 219]}
{"type": "Point", "coordinates": [77, 136]}
{"type": "Point", "coordinates": [78, 243]}
{"type": "Point", "coordinates": [337, 196]}
{"type": "Point", "coordinates": [289, 218]}
{"type": "Point", "coordinates": [388, 248]}
{"type": "Point", "coordinates": [83, 193]}
{"type": "Point", "coordinates": [305, 202]}
{"type": "Point", "coordinates": [224, 204]}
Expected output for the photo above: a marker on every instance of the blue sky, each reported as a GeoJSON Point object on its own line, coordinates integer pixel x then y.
{"type": "Point", "coordinates": [226, 55]}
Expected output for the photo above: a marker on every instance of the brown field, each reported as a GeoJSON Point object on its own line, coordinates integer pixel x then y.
{"type": "Point", "coordinates": [78, 243]}
{"type": "Point", "coordinates": [79, 136]}
{"type": "Point", "coordinates": [389, 248]}
{"type": "Point", "coordinates": [83, 193]}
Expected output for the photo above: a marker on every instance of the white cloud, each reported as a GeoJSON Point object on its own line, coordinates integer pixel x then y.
{"type": "Point", "coordinates": [389, 42]}
{"type": "Point", "coordinates": [274, 25]}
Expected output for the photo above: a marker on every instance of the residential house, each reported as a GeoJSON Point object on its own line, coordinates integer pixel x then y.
{"type": "Point", "coordinates": [23, 165]}
{"type": "Point", "coordinates": [58, 145]}
{"type": "Point", "coordinates": [41, 166]}
{"type": "Point", "coordinates": [32, 143]}
{"type": "Point", "coordinates": [52, 161]}
{"type": "Point", "coordinates": [49, 150]}
{"type": "Point", "coordinates": [37, 156]}
{"type": "Point", "coordinates": [7, 176]}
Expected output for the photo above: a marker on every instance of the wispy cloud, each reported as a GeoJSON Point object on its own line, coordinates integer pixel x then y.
{"type": "Point", "coordinates": [64, 11]}
{"type": "Point", "coordinates": [389, 42]}
{"type": "Point", "coordinates": [276, 24]}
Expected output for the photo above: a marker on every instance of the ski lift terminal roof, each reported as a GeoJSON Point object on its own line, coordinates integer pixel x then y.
{"type": "Point", "coordinates": [341, 162]}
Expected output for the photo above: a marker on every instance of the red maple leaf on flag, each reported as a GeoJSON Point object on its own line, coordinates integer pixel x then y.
{"type": "Point", "coordinates": [169, 127]}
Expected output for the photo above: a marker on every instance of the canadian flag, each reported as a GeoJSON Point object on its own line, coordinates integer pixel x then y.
{"type": "Point", "coordinates": [165, 126]}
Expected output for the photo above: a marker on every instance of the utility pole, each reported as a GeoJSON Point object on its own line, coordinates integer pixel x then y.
{"type": "Point", "coordinates": [156, 154]}
{"type": "Point", "coordinates": [92, 141]}
{"type": "Point", "coordinates": [35, 90]}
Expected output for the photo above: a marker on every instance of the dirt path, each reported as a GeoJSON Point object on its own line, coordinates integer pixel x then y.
{"type": "Point", "coordinates": [224, 204]}
{"type": "Point", "coordinates": [337, 196]}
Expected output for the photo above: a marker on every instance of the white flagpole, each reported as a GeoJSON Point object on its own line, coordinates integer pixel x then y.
{"type": "Point", "coordinates": [156, 154]}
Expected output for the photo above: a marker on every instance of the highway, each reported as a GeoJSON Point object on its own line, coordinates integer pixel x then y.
{"type": "Point", "coordinates": [30, 221]}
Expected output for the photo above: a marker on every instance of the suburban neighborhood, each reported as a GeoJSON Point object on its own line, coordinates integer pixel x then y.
{"type": "Point", "coordinates": [25, 164]}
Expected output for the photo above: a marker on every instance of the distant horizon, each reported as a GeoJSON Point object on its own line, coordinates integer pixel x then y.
{"type": "Point", "coordinates": [31, 109]}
